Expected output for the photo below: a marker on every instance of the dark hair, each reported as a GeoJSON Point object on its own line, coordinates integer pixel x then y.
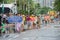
{"type": "Point", "coordinates": [5, 21]}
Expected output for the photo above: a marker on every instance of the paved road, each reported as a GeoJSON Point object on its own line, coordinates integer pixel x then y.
{"type": "Point", "coordinates": [49, 32]}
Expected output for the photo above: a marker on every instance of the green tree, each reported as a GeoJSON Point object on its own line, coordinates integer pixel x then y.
{"type": "Point", "coordinates": [57, 5]}
{"type": "Point", "coordinates": [9, 1]}
{"type": "Point", "coordinates": [37, 8]}
{"type": "Point", "coordinates": [25, 6]}
{"type": "Point", "coordinates": [37, 5]}
{"type": "Point", "coordinates": [1, 1]}
{"type": "Point", "coordinates": [43, 10]}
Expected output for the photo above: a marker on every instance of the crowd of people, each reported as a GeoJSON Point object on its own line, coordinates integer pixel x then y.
{"type": "Point", "coordinates": [16, 22]}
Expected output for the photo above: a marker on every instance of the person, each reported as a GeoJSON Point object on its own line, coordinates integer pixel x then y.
{"type": "Point", "coordinates": [28, 21]}
{"type": "Point", "coordinates": [18, 24]}
{"type": "Point", "coordinates": [0, 24]}
{"type": "Point", "coordinates": [11, 20]}
{"type": "Point", "coordinates": [7, 27]}
{"type": "Point", "coordinates": [42, 18]}
{"type": "Point", "coordinates": [33, 21]}
{"type": "Point", "coordinates": [52, 18]}
{"type": "Point", "coordinates": [47, 18]}
{"type": "Point", "coordinates": [38, 22]}
{"type": "Point", "coordinates": [23, 22]}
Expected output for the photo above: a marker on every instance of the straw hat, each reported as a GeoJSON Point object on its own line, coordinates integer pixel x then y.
{"type": "Point", "coordinates": [32, 15]}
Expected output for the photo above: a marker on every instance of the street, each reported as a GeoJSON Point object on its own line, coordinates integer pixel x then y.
{"type": "Point", "coordinates": [29, 19]}
{"type": "Point", "coordinates": [46, 32]}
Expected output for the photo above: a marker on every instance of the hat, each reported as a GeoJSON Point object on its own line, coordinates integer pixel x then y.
{"type": "Point", "coordinates": [23, 15]}
{"type": "Point", "coordinates": [32, 15]}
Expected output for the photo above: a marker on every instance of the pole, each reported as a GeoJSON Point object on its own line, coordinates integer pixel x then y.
{"type": "Point", "coordinates": [15, 8]}
{"type": "Point", "coordinates": [28, 7]}
{"type": "Point", "coordinates": [3, 7]}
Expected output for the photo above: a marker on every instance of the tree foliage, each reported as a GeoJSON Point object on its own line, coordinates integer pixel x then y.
{"type": "Point", "coordinates": [43, 10]}
{"type": "Point", "coordinates": [57, 5]}
{"type": "Point", "coordinates": [1, 1]}
{"type": "Point", "coordinates": [9, 1]}
{"type": "Point", "coordinates": [25, 5]}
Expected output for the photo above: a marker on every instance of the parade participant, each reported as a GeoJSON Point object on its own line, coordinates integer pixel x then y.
{"type": "Point", "coordinates": [43, 21]}
{"type": "Point", "coordinates": [35, 21]}
{"type": "Point", "coordinates": [23, 22]}
{"type": "Point", "coordinates": [28, 21]}
{"type": "Point", "coordinates": [32, 21]}
{"type": "Point", "coordinates": [18, 24]}
{"type": "Point", "coordinates": [11, 22]}
{"type": "Point", "coordinates": [10, 18]}
{"type": "Point", "coordinates": [47, 18]}
{"type": "Point", "coordinates": [38, 22]}
{"type": "Point", "coordinates": [3, 26]}
{"type": "Point", "coordinates": [23, 19]}
{"type": "Point", "coordinates": [52, 18]}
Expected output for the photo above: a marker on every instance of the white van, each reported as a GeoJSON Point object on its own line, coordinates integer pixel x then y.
{"type": "Point", "coordinates": [8, 8]}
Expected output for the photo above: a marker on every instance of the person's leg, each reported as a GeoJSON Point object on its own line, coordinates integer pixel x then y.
{"type": "Point", "coordinates": [22, 27]}
{"type": "Point", "coordinates": [33, 25]}
{"type": "Point", "coordinates": [28, 24]}
{"type": "Point", "coordinates": [43, 22]}
{"type": "Point", "coordinates": [39, 25]}
{"type": "Point", "coordinates": [11, 28]}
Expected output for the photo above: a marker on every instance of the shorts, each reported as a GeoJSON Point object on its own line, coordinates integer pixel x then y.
{"type": "Point", "coordinates": [28, 23]}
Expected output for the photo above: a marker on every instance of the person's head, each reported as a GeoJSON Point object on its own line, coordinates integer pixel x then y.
{"type": "Point", "coordinates": [10, 14]}
{"type": "Point", "coordinates": [32, 15]}
{"type": "Point", "coordinates": [18, 14]}
{"type": "Point", "coordinates": [23, 15]}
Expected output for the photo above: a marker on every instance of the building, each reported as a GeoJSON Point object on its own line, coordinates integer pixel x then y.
{"type": "Point", "coordinates": [47, 3]}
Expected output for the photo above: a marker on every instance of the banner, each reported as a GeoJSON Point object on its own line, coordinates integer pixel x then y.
{"type": "Point", "coordinates": [14, 19]}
